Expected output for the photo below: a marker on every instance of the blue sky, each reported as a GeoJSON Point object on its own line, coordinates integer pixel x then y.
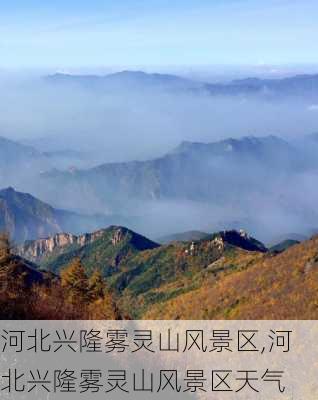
{"type": "Point", "coordinates": [82, 33]}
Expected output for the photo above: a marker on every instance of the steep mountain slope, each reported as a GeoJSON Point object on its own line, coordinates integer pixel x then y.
{"type": "Point", "coordinates": [26, 218]}
{"type": "Point", "coordinates": [144, 273]}
{"type": "Point", "coordinates": [106, 249]}
{"type": "Point", "coordinates": [16, 272]}
{"type": "Point", "coordinates": [39, 250]}
{"type": "Point", "coordinates": [213, 278]}
{"type": "Point", "coordinates": [152, 277]}
{"type": "Point", "coordinates": [282, 286]}
{"type": "Point", "coordinates": [186, 173]}
{"type": "Point", "coordinates": [29, 293]}
{"type": "Point", "coordinates": [226, 275]}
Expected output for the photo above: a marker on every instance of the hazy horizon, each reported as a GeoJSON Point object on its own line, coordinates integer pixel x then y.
{"type": "Point", "coordinates": [83, 124]}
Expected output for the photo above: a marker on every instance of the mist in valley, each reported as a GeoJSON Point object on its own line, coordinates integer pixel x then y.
{"type": "Point", "coordinates": [125, 123]}
{"type": "Point", "coordinates": [76, 127]}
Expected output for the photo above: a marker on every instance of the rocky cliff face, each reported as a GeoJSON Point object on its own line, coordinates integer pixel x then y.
{"type": "Point", "coordinates": [240, 239]}
{"type": "Point", "coordinates": [36, 249]}
{"type": "Point", "coordinates": [104, 249]}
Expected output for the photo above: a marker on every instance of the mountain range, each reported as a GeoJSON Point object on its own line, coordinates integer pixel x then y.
{"type": "Point", "coordinates": [228, 179]}
{"type": "Point", "coordinates": [270, 286]}
{"type": "Point", "coordinates": [136, 267]}
{"type": "Point", "coordinates": [124, 80]}
{"type": "Point", "coordinates": [25, 217]}
{"type": "Point", "coordinates": [225, 179]}
{"type": "Point", "coordinates": [186, 172]}
{"type": "Point", "coordinates": [105, 249]}
{"type": "Point", "coordinates": [212, 193]}
{"type": "Point", "coordinates": [301, 86]}
{"type": "Point", "coordinates": [194, 186]}
{"type": "Point", "coordinates": [225, 275]}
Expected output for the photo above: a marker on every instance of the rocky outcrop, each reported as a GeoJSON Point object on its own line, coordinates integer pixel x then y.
{"type": "Point", "coordinates": [117, 236]}
{"type": "Point", "coordinates": [107, 246]}
{"type": "Point", "coordinates": [36, 249]}
{"type": "Point", "coordinates": [218, 242]}
{"type": "Point", "coordinates": [240, 239]}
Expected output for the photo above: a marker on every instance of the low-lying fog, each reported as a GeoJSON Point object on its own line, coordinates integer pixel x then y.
{"type": "Point", "coordinates": [83, 126]}
{"type": "Point", "coordinates": [118, 125]}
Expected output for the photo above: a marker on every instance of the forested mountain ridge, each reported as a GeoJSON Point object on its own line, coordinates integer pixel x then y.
{"type": "Point", "coordinates": [136, 268]}
{"type": "Point", "coordinates": [224, 275]}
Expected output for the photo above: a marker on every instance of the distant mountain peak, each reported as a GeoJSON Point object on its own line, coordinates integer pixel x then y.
{"type": "Point", "coordinates": [228, 143]}
{"type": "Point", "coordinates": [17, 196]}
{"type": "Point", "coordinates": [240, 238]}
{"type": "Point", "coordinates": [27, 218]}
{"type": "Point", "coordinates": [129, 73]}
{"type": "Point", "coordinates": [120, 80]}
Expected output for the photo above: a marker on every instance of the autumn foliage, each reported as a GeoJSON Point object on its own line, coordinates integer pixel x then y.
{"type": "Point", "coordinates": [168, 282]}
{"type": "Point", "coordinates": [29, 294]}
{"type": "Point", "coordinates": [273, 286]}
